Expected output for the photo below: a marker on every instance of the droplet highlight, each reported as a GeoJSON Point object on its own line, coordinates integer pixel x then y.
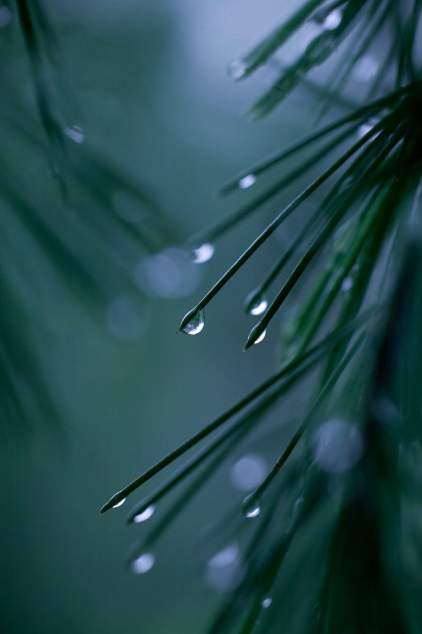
{"type": "Point", "coordinates": [196, 324]}
{"type": "Point", "coordinates": [261, 337]}
{"type": "Point", "coordinates": [116, 506]}
{"type": "Point", "coordinates": [256, 305]}
{"type": "Point", "coordinates": [333, 20]}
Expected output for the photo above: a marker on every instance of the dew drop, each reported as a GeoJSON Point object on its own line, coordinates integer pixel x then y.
{"type": "Point", "coordinates": [257, 305]}
{"type": "Point", "coordinates": [196, 324]}
{"type": "Point", "coordinates": [203, 253]}
{"type": "Point", "coordinates": [116, 506]}
{"type": "Point", "coordinates": [248, 472]}
{"type": "Point", "coordinates": [347, 284]}
{"type": "Point", "coordinates": [337, 446]}
{"type": "Point", "coordinates": [261, 337]}
{"type": "Point", "coordinates": [251, 507]}
{"type": "Point", "coordinates": [145, 515]}
{"type": "Point", "coordinates": [247, 181]}
{"type": "Point", "coordinates": [333, 20]}
{"type": "Point", "coordinates": [236, 69]}
{"type": "Point", "coordinates": [143, 563]}
{"type": "Point", "coordinates": [266, 602]}
{"type": "Point", "coordinates": [75, 133]}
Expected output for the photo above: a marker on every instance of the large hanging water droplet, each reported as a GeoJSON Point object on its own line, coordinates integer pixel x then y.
{"type": "Point", "coordinates": [251, 506]}
{"type": "Point", "coordinates": [261, 337]}
{"type": "Point", "coordinates": [203, 253]}
{"type": "Point", "coordinates": [247, 181]}
{"type": "Point", "coordinates": [196, 323]}
{"type": "Point", "coordinates": [143, 563]}
{"type": "Point", "coordinates": [145, 515]}
{"type": "Point", "coordinates": [236, 69]}
{"type": "Point", "coordinates": [116, 506]}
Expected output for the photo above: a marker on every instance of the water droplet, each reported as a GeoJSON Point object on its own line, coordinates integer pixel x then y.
{"type": "Point", "coordinates": [251, 506]}
{"type": "Point", "coordinates": [333, 20]}
{"type": "Point", "coordinates": [116, 506]}
{"type": "Point", "coordinates": [225, 570]}
{"type": "Point", "coordinates": [145, 515]}
{"type": "Point", "coordinates": [337, 446]}
{"type": "Point", "coordinates": [5, 16]}
{"type": "Point", "coordinates": [225, 557]}
{"type": "Point", "coordinates": [266, 602]}
{"type": "Point", "coordinates": [196, 324]}
{"type": "Point", "coordinates": [75, 133]}
{"type": "Point", "coordinates": [365, 69]}
{"type": "Point", "coordinates": [143, 563]}
{"type": "Point", "coordinates": [236, 69]}
{"type": "Point", "coordinates": [248, 472]}
{"type": "Point", "coordinates": [203, 253]}
{"type": "Point", "coordinates": [347, 284]}
{"type": "Point", "coordinates": [247, 181]}
{"type": "Point", "coordinates": [256, 304]}
{"type": "Point", "coordinates": [261, 337]}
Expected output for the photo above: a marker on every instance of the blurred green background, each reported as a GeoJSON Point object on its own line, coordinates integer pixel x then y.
{"type": "Point", "coordinates": [151, 83]}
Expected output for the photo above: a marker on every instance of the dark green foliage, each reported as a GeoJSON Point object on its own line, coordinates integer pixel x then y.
{"type": "Point", "coordinates": [349, 516]}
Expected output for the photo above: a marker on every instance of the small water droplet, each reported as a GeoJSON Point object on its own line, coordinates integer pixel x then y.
{"type": "Point", "coordinates": [347, 284]}
{"type": "Point", "coordinates": [365, 69]}
{"type": "Point", "coordinates": [225, 557]}
{"type": "Point", "coordinates": [247, 181]}
{"type": "Point", "coordinates": [236, 69]}
{"type": "Point", "coordinates": [251, 506]}
{"type": "Point", "coordinates": [196, 324]}
{"type": "Point", "coordinates": [5, 16]}
{"type": "Point", "coordinates": [266, 602]}
{"type": "Point", "coordinates": [203, 253]}
{"type": "Point", "coordinates": [333, 20]}
{"type": "Point", "coordinates": [257, 304]}
{"type": "Point", "coordinates": [75, 133]}
{"type": "Point", "coordinates": [143, 563]}
{"type": "Point", "coordinates": [261, 337]}
{"type": "Point", "coordinates": [145, 515]}
{"type": "Point", "coordinates": [116, 506]}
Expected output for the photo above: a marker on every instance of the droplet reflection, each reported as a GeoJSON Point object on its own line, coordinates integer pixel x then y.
{"type": "Point", "coordinates": [266, 602]}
